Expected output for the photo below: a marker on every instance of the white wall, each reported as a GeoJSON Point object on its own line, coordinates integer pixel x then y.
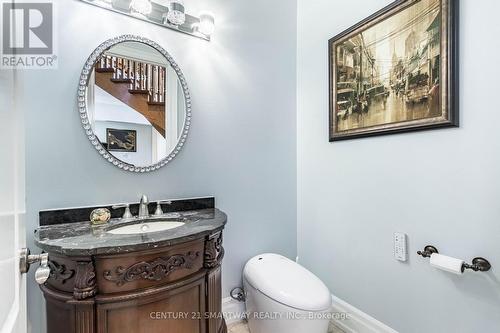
{"type": "Point", "coordinates": [441, 187]}
{"type": "Point", "coordinates": [241, 148]}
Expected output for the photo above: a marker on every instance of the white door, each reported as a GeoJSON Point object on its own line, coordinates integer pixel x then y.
{"type": "Point", "coordinates": [12, 207]}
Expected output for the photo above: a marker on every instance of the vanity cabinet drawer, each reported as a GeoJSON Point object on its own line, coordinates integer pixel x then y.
{"type": "Point", "coordinates": [145, 269]}
{"type": "Point", "coordinates": [177, 310]}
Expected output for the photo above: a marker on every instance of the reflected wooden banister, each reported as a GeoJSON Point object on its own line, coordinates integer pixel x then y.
{"type": "Point", "coordinates": [141, 76]}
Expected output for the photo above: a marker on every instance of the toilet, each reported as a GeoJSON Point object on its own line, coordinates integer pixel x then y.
{"type": "Point", "coordinates": [284, 297]}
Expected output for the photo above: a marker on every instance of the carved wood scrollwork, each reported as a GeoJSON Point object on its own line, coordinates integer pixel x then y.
{"type": "Point", "coordinates": [59, 272]}
{"type": "Point", "coordinates": [214, 252]}
{"type": "Point", "coordinates": [155, 270]}
{"type": "Point", "coordinates": [85, 280]}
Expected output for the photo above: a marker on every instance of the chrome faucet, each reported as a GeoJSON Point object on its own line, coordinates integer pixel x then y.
{"type": "Point", "coordinates": [143, 207]}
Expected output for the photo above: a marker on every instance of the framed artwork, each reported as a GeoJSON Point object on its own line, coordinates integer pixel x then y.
{"type": "Point", "coordinates": [396, 71]}
{"type": "Point", "coordinates": [121, 140]}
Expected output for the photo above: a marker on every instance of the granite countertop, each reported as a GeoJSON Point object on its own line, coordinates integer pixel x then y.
{"type": "Point", "coordinates": [83, 239]}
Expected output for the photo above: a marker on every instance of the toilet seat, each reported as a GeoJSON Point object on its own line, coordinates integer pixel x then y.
{"type": "Point", "coordinates": [287, 282]}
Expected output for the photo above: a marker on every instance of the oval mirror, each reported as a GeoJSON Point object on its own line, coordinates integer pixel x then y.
{"type": "Point", "coordinates": [134, 104]}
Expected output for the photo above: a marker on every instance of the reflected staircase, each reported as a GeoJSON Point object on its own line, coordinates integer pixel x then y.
{"type": "Point", "coordinates": [139, 85]}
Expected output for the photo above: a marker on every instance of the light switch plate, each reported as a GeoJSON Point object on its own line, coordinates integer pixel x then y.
{"type": "Point", "coordinates": [400, 246]}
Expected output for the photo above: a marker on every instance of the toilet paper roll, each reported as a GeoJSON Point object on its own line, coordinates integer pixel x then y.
{"type": "Point", "coordinates": [449, 264]}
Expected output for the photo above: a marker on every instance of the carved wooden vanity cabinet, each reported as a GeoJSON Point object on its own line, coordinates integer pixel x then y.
{"type": "Point", "coordinates": [174, 289]}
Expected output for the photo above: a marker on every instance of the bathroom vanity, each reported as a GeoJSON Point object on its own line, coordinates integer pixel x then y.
{"type": "Point", "coordinates": [148, 281]}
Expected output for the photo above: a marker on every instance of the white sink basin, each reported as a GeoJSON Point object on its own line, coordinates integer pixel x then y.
{"type": "Point", "coordinates": [143, 228]}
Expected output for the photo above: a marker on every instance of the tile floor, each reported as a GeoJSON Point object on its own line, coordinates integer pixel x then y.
{"type": "Point", "coordinates": [242, 327]}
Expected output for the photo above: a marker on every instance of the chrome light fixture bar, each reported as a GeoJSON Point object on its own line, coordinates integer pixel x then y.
{"type": "Point", "coordinates": [172, 16]}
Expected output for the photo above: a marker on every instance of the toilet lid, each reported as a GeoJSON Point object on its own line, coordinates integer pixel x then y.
{"type": "Point", "coordinates": [287, 282]}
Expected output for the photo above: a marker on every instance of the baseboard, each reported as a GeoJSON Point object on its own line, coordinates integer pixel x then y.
{"type": "Point", "coordinates": [233, 310]}
{"type": "Point", "coordinates": [357, 321]}
{"type": "Point", "coordinates": [354, 321]}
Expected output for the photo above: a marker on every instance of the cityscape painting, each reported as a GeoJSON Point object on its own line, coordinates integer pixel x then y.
{"type": "Point", "coordinates": [394, 71]}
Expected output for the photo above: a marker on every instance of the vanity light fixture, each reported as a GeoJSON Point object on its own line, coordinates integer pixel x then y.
{"type": "Point", "coordinates": [169, 14]}
{"type": "Point", "coordinates": [107, 2]}
{"type": "Point", "coordinates": [176, 14]}
{"type": "Point", "coordinates": [207, 23]}
{"type": "Point", "coordinates": [144, 7]}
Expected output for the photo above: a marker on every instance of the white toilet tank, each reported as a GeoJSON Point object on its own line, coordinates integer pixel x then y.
{"type": "Point", "coordinates": [284, 297]}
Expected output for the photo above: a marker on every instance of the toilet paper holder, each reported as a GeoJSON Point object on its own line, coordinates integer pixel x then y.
{"type": "Point", "coordinates": [478, 264]}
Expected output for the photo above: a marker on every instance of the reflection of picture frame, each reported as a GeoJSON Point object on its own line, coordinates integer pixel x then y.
{"type": "Point", "coordinates": [121, 140]}
{"type": "Point", "coordinates": [396, 71]}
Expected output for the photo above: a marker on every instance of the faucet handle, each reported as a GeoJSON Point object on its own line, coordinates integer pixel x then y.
{"type": "Point", "coordinates": [159, 211]}
{"type": "Point", "coordinates": [127, 214]}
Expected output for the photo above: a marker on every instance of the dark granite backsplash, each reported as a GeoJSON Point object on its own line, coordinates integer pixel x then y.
{"type": "Point", "coordinates": [72, 215]}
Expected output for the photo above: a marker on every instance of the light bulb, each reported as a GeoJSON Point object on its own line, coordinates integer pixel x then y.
{"type": "Point", "coordinates": [143, 7]}
{"type": "Point", "coordinates": [207, 23]}
{"type": "Point", "coordinates": [176, 14]}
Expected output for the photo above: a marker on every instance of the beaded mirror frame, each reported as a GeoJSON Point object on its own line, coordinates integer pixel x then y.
{"type": "Point", "coordinates": [83, 105]}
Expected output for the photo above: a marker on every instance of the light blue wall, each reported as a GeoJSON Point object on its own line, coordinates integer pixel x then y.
{"type": "Point", "coordinates": [440, 187]}
{"type": "Point", "coordinates": [241, 148]}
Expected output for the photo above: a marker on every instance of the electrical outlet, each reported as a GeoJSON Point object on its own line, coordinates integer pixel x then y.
{"type": "Point", "coordinates": [400, 246]}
